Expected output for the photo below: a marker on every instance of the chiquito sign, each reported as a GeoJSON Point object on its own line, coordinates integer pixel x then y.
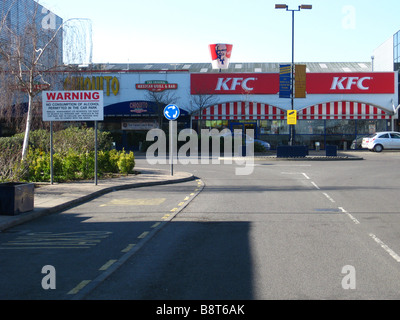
{"type": "Point", "coordinates": [317, 83]}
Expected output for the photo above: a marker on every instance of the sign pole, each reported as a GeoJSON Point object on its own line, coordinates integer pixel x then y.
{"type": "Point", "coordinates": [51, 154]}
{"type": "Point", "coordinates": [171, 147]}
{"type": "Point", "coordinates": [95, 153]}
{"type": "Point", "coordinates": [171, 112]}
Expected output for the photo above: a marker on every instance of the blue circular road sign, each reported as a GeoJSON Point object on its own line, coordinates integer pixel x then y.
{"type": "Point", "coordinates": [171, 112]}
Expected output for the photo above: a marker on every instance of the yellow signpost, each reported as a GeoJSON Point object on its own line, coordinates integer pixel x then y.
{"type": "Point", "coordinates": [291, 117]}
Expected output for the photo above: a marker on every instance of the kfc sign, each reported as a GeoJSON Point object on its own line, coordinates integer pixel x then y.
{"type": "Point", "coordinates": [346, 83]}
{"type": "Point", "coordinates": [231, 84]}
{"type": "Point", "coordinates": [350, 83]}
{"type": "Point", "coordinates": [235, 83]}
{"type": "Point", "coordinates": [317, 83]}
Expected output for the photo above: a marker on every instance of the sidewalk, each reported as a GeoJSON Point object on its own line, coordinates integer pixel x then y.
{"type": "Point", "coordinates": [61, 196]}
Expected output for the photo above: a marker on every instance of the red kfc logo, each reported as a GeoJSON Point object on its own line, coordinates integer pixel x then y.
{"type": "Point", "coordinates": [347, 83]}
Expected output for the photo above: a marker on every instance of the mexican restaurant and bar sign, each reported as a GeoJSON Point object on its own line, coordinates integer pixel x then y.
{"type": "Point", "coordinates": [156, 86]}
{"type": "Point", "coordinates": [317, 83]}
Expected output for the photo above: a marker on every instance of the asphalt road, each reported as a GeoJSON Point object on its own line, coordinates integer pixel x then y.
{"type": "Point", "coordinates": [288, 230]}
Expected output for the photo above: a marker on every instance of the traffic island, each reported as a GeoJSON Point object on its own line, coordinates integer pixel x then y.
{"type": "Point", "coordinates": [291, 151]}
{"type": "Point", "coordinates": [16, 198]}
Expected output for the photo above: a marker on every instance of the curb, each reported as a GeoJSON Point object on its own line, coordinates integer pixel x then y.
{"type": "Point", "coordinates": [306, 158]}
{"type": "Point", "coordinates": [37, 213]}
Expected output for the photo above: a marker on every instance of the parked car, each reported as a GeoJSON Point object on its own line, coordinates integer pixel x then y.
{"type": "Point", "coordinates": [356, 144]}
{"type": "Point", "coordinates": [249, 140]}
{"type": "Point", "coordinates": [382, 140]}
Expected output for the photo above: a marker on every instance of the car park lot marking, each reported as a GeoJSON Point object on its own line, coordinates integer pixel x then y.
{"type": "Point", "coordinates": [394, 255]}
{"type": "Point", "coordinates": [315, 185]}
{"type": "Point", "coordinates": [349, 215]}
{"type": "Point", "coordinates": [79, 287]}
{"type": "Point", "coordinates": [108, 264]}
{"type": "Point", "coordinates": [144, 234]}
{"type": "Point", "coordinates": [129, 247]}
{"type": "Point", "coordinates": [328, 197]}
{"type": "Point", "coordinates": [383, 245]}
{"type": "Point", "coordinates": [50, 240]}
{"type": "Point", "coordinates": [135, 202]}
{"type": "Point", "coordinates": [84, 287]}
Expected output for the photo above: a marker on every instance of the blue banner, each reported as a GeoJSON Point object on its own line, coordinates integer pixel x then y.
{"type": "Point", "coordinates": [284, 81]}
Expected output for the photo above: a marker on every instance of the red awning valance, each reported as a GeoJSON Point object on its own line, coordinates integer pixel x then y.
{"type": "Point", "coordinates": [342, 110]}
{"type": "Point", "coordinates": [242, 111]}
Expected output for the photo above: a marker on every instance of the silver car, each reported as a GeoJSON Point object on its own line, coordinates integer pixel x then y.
{"type": "Point", "coordinates": [382, 140]}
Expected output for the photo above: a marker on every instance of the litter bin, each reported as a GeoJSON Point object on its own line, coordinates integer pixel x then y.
{"type": "Point", "coordinates": [331, 151]}
{"type": "Point", "coordinates": [16, 197]}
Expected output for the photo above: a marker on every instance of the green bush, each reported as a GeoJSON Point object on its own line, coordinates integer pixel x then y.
{"type": "Point", "coordinates": [126, 162]}
{"type": "Point", "coordinates": [73, 157]}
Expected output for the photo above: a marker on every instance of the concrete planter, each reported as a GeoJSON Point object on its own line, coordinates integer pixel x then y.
{"type": "Point", "coordinates": [291, 151]}
{"type": "Point", "coordinates": [16, 197]}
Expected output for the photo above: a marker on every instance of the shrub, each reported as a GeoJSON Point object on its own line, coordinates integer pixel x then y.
{"type": "Point", "coordinates": [73, 156]}
{"type": "Point", "coordinates": [126, 162]}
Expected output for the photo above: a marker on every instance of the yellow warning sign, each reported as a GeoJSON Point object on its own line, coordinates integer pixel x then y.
{"type": "Point", "coordinates": [291, 117]}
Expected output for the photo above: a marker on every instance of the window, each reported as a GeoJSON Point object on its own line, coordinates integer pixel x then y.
{"type": "Point", "coordinates": [384, 136]}
{"type": "Point", "coordinates": [395, 135]}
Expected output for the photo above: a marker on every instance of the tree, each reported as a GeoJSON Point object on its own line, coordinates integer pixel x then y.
{"type": "Point", "coordinates": [31, 52]}
{"type": "Point", "coordinates": [161, 99]}
{"type": "Point", "coordinates": [30, 47]}
{"type": "Point", "coordinates": [199, 102]}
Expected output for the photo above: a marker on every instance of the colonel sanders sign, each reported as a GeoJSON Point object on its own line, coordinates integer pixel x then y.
{"type": "Point", "coordinates": [220, 55]}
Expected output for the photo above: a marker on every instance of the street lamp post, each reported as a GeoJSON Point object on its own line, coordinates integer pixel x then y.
{"type": "Point", "coordinates": [284, 6]}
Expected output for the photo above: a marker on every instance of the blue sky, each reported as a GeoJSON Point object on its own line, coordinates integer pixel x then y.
{"type": "Point", "coordinates": [179, 31]}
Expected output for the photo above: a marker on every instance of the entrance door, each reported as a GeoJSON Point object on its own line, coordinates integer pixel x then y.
{"type": "Point", "coordinates": [244, 126]}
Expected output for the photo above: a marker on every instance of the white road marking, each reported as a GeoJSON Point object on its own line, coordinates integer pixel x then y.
{"type": "Point", "coordinates": [315, 185]}
{"type": "Point", "coordinates": [394, 255]}
{"type": "Point", "coordinates": [307, 177]}
{"type": "Point", "coordinates": [349, 215]}
{"type": "Point", "coordinates": [328, 197]}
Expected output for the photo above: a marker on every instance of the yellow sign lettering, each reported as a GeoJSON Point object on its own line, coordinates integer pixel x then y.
{"type": "Point", "coordinates": [108, 83]}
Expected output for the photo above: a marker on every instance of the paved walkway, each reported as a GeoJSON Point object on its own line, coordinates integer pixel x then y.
{"type": "Point", "coordinates": [61, 196]}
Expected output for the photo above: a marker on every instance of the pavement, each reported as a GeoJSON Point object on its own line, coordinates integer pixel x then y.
{"type": "Point", "coordinates": [57, 197]}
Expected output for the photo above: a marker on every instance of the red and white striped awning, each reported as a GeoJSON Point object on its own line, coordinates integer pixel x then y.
{"type": "Point", "coordinates": [342, 110]}
{"type": "Point", "coordinates": [242, 111]}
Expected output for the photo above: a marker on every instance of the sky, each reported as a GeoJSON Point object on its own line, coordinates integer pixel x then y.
{"type": "Point", "coordinates": [179, 31]}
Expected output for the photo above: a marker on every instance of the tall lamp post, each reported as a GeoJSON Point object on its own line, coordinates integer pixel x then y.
{"type": "Point", "coordinates": [284, 6]}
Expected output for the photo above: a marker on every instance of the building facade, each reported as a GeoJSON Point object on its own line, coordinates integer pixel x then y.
{"type": "Point", "coordinates": [343, 102]}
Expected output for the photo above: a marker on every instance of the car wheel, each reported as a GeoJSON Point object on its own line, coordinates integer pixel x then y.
{"type": "Point", "coordinates": [378, 148]}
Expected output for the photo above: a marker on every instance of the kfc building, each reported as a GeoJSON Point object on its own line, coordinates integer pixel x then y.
{"type": "Point", "coordinates": [342, 101]}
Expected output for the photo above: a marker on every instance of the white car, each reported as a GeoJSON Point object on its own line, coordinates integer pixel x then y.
{"type": "Point", "coordinates": [382, 140]}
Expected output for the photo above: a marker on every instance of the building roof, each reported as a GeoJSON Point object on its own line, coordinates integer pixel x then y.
{"type": "Point", "coordinates": [234, 67]}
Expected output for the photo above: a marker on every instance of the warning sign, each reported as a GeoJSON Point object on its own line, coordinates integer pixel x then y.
{"type": "Point", "coordinates": [291, 117]}
{"type": "Point", "coordinates": [73, 105]}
